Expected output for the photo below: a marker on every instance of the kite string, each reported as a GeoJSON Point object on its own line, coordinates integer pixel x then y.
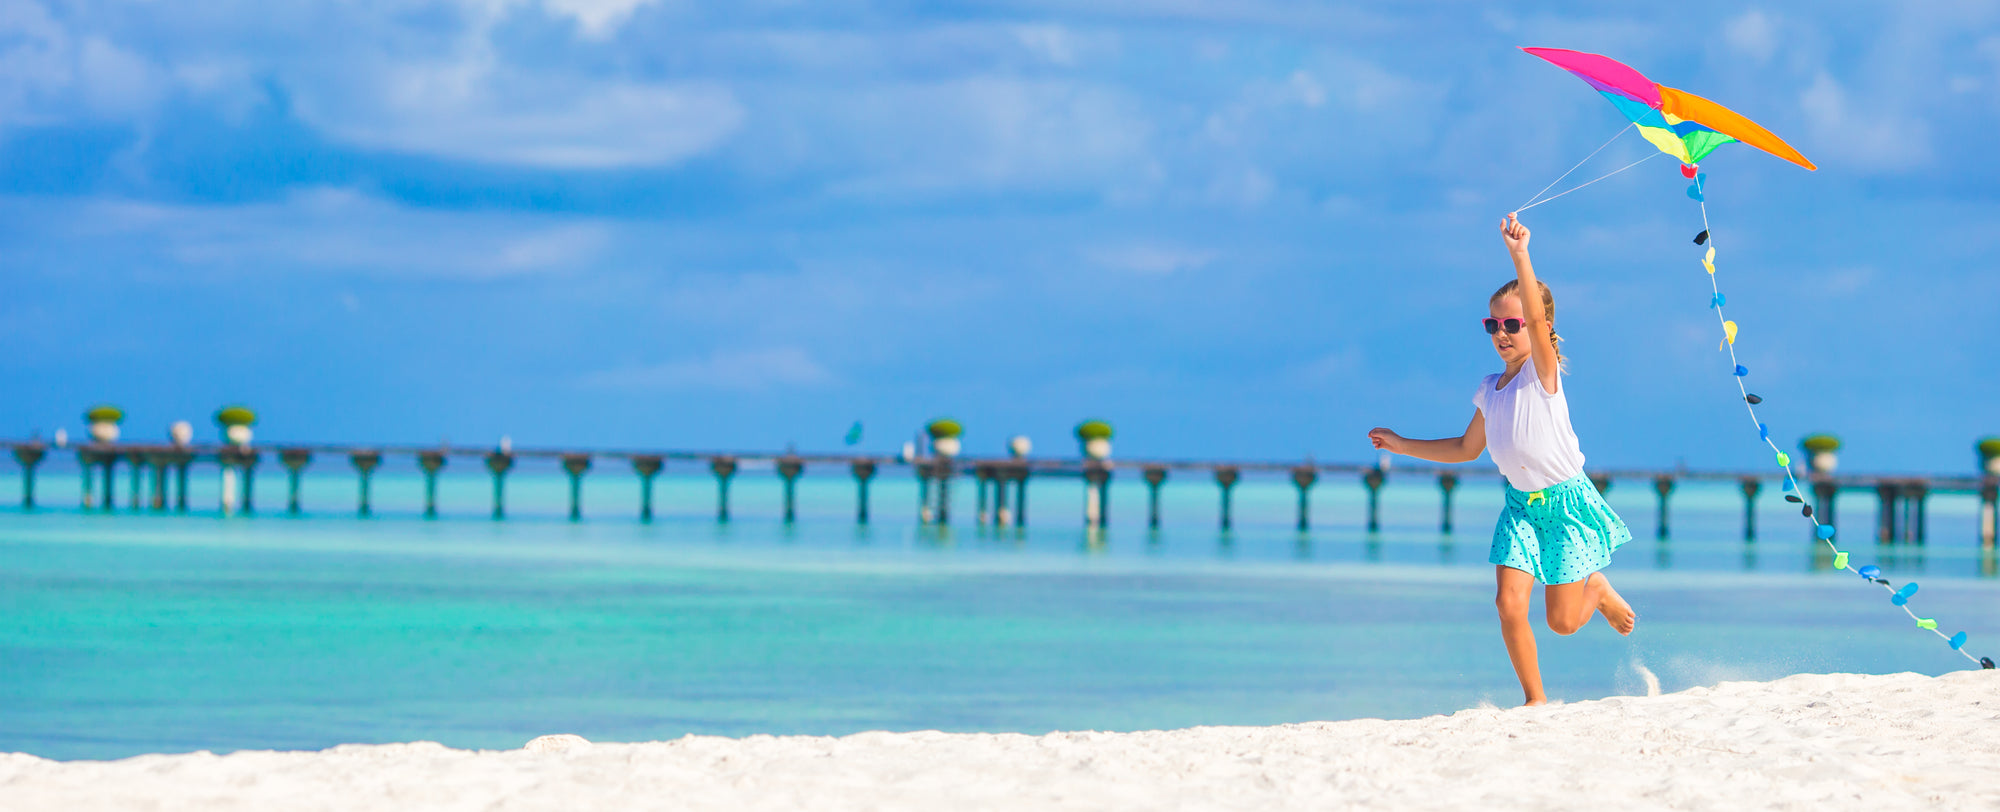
{"type": "Point", "coordinates": [1791, 482]}
{"type": "Point", "coordinates": [1587, 183]}
{"type": "Point", "coordinates": [1822, 532]}
{"type": "Point", "coordinates": [1579, 165]}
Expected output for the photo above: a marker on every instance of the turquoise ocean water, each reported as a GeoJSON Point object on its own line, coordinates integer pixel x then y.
{"type": "Point", "coordinates": [127, 632]}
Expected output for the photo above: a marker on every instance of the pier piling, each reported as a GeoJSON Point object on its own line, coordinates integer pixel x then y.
{"type": "Point", "coordinates": [789, 469]}
{"type": "Point", "coordinates": [1915, 493]}
{"type": "Point", "coordinates": [1303, 478]}
{"type": "Point", "coordinates": [723, 468]}
{"type": "Point", "coordinates": [431, 462]}
{"type": "Point", "coordinates": [1825, 494]}
{"type": "Point", "coordinates": [576, 465]}
{"type": "Point", "coordinates": [242, 460]}
{"type": "Point", "coordinates": [364, 465]}
{"type": "Point", "coordinates": [1155, 476]}
{"type": "Point", "coordinates": [1001, 515]}
{"type": "Point", "coordinates": [1989, 512]}
{"type": "Point", "coordinates": [864, 470]}
{"type": "Point", "coordinates": [982, 477]}
{"type": "Point", "coordinates": [183, 460]}
{"type": "Point", "coordinates": [86, 462]}
{"type": "Point", "coordinates": [159, 462]}
{"type": "Point", "coordinates": [1021, 496]}
{"type": "Point", "coordinates": [1664, 486]}
{"type": "Point", "coordinates": [647, 466]}
{"type": "Point", "coordinates": [1097, 496]}
{"type": "Point", "coordinates": [1885, 518]}
{"type": "Point", "coordinates": [87, 465]}
{"type": "Point", "coordinates": [136, 461]}
{"type": "Point", "coordinates": [295, 461]}
{"type": "Point", "coordinates": [29, 455]}
{"type": "Point", "coordinates": [1751, 485]}
{"type": "Point", "coordinates": [248, 459]}
{"type": "Point", "coordinates": [941, 470]}
{"type": "Point", "coordinates": [498, 463]}
{"type": "Point", "coordinates": [1601, 482]}
{"type": "Point", "coordinates": [108, 460]}
{"type": "Point", "coordinates": [1374, 479]}
{"type": "Point", "coordinates": [1227, 476]}
{"type": "Point", "coordinates": [923, 471]}
{"type": "Point", "coordinates": [1447, 482]}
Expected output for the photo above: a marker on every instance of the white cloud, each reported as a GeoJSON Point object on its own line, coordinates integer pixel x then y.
{"type": "Point", "coordinates": [343, 231]}
{"type": "Point", "coordinates": [473, 110]}
{"type": "Point", "coordinates": [1310, 92]}
{"type": "Point", "coordinates": [1148, 258]}
{"type": "Point", "coordinates": [596, 19]}
{"type": "Point", "coordinates": [1341, 363]}
{"type": "Point", "coordinates": [1247, 187]}
{"type": "Point", "coordinates": [979, 133]}
{"type": "Point", "coordinates": [1751, 34]}
{"type": "Point", "coordinates": [760, 369]}
{"type": "Point", "coordinates": [1052, 42]}
{"type": "Point", "coordinates": [48, 73]}
{"type": "Point", "coordinates": [113, 81]}
{"type": "Point", "coordinates": [1845, 281]}
{"type": "Point", "coordinates": [1882, 139]}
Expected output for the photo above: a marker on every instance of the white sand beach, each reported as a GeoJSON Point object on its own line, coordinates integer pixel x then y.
{"type": "Point", "coordinates": [1901, 741]}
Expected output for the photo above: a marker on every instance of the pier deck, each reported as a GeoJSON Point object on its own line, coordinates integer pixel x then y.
{"type": "Point", "coordinates": [163, 468]}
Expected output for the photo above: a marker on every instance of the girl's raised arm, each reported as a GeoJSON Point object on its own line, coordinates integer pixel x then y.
{"type": "Point", "coordinates": [1548, 367]}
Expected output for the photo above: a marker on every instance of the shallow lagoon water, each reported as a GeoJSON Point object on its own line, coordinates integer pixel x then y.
{"type": "Point", "coordinates": [128, 632]}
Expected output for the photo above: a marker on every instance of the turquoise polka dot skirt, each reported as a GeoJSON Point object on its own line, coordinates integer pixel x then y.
{"type": "Point", "coordinates": [1560, 534]}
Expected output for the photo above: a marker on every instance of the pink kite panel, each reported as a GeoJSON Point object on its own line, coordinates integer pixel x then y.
{"type": "Point", "coordinates": [1604, 73]}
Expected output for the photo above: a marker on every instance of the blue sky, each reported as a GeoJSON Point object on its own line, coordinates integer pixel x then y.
{"type": "Point", "coordinates": [1232, 228]}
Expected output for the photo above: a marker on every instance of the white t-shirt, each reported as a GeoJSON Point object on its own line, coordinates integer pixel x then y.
{"type": "Point", "coordinates": [1528, 432]}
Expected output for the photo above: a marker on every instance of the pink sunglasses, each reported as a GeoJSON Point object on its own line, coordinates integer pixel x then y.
{"type": "Point", "coordinates": [1513, 325]}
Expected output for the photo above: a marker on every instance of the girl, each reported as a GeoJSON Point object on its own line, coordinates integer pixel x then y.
{"type": "Point", "coordinates": [1555, 529]}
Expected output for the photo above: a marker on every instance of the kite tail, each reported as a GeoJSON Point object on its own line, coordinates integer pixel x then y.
{"type": "Point", "coordinates": [1824, 532]}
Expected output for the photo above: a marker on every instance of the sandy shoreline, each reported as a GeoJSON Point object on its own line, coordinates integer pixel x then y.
{"type": "Point", "coordinates": [1809, 741]}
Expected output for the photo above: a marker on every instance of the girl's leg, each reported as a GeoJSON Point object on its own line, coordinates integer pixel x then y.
{"type": "Point", "coordinates": [1511, 598]}
{"type": "Point", "coordinates": [1570, 605]}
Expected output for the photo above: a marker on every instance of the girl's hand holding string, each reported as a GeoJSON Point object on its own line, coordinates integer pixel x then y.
{"type": "Point", "coordinates": [1514, 234]}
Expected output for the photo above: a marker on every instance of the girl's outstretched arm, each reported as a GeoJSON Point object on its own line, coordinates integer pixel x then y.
{"type": "Point", "coordinates": [1548, 368]}
{"type": "Point", "coordinates": [1463, 448]}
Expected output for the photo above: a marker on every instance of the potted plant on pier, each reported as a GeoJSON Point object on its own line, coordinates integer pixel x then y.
{"type": "Point", "coordinates": [1821, 453]}
{"type": "Point", "coordinates": [1095, 435]}
{"type": "Point", "coordinates": [236, 422]}
{"type": "Point", "coordinates": [945, 433]}
{"type": "Point", "coordinates": [104, 419]}
{"type": "Point", "coordinates": [1989, 455]}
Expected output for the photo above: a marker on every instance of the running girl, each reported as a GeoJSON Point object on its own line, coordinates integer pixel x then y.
{"type": "Point", "coordinates": [1556, 529]}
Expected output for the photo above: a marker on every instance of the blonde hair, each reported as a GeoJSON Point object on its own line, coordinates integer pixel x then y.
{"type": "Point", "coordinates": [1548, 306]}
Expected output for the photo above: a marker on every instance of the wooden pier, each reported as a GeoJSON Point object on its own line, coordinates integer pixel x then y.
{"type": "Point", "coordinates": [157, 476]}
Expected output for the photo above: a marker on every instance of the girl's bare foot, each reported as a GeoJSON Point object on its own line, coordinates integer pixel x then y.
{"type": "Point", "coordinates": [1616, 611]}
{"type": "Point", "coordinates": [1535, 702]}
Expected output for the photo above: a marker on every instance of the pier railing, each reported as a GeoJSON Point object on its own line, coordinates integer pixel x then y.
{"type": "Point", "coordinates": [158, 476]}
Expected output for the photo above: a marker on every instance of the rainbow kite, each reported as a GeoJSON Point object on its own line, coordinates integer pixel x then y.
{"type": "Point", "coordinates": [1689, 127]}
{"type": "Point", "coordinates": [1681, 124]}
